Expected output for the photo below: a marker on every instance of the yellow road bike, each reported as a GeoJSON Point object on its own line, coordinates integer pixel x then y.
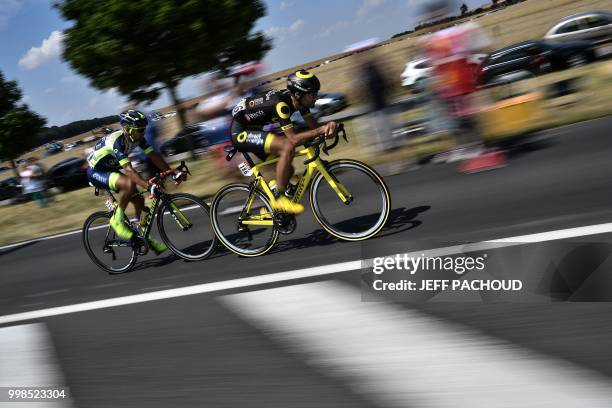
{"type": "Point", "coordinates": [349, 200]}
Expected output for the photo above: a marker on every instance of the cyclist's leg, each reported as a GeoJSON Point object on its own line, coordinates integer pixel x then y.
{"type": "Point", "coordinates": [127, 188]}
{"type": "Point", "coordinates": [262, 144]}
{"type": "Point", "coordinates": [282, 148]}
{"type": "Point", "coordinates": [116, 182]}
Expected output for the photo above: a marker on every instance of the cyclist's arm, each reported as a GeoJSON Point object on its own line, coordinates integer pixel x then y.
{"type": "Point", "coordinates": [133, 175]}
{"type": "Point", "coordinates": [158, 161]}
{"type": "Point", "coordinates": [311, 121]}
{"type": "Point", "coordinates": [297, 139]}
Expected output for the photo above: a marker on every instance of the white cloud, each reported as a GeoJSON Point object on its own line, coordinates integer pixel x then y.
{"type": "Point", "coordinates": [286, 4]}
{"type": "Point", "coordinates": [296, 26]}
{"type": "Point", "coordinates": [25, 99]}
{"type": "Point", "coordinates": [7, 10]}
{"type": "Point", "coordinates": [50, 90]}
{"type": "Point", "coordinates": [49, 49]}
{"type": "Point", "coordinates": [367, 6]}
{"type": "Point", "coordinates": [279, 32]}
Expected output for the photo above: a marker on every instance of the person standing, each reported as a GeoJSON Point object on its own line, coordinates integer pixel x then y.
{"type": "Point", "coordinates": [33, 181]}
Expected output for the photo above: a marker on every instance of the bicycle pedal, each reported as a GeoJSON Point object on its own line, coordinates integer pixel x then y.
{"type": "Point", "coordinates": [140, 245]}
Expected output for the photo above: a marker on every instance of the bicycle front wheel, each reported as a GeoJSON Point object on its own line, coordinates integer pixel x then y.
{"type": "Point", "coordinates": [369, 201]}
{"type": "Point", "coordinates": [184, 225]}
{"type": "Point", "coordinates": [243, 220]}
{"type": "Point", "coordinates": [106, 250]}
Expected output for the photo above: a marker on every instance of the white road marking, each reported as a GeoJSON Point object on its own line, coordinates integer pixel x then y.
{"type": "Point", "coordinates": [184, 291]}
{"type": "Point", "coordinates": [401, 358]}
{"type": "Point", "coordinates": [28, 360]}
{"type": "Point", "coordinates": [299, 274]}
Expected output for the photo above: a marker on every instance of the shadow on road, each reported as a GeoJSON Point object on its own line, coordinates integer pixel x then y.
{"type": "Point", "coordinates": [155, 263]}
{"type": "Point", "coordinates": [400, 220]}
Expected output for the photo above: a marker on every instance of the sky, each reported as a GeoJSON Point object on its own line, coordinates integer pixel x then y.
{"type": "Point", "coordinates": [301, 31]}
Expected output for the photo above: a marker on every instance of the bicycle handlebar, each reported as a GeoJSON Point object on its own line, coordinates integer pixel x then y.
{"type": "Point", "coordinates": [159, 178]}
{"type": "Point", "coordinates": [320, 142]}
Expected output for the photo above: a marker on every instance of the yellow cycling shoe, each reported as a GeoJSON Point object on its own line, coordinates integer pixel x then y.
{"type": "Point", "coordinates": [284, 204]}
{"type": "Point", "coordinates": [156, 246]}
{"type": "Point", "coordinates": [119, 226]}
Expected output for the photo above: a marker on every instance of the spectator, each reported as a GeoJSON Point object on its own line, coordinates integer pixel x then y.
{"type": "Point", "coordinates": [376, 90]}
{"type": "Point", "coordinates": [33, 181]}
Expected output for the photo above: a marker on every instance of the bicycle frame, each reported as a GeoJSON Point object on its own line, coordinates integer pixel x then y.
{"type": "Point", "coordinates": [312, 168]}
{"type": "Point", "coordinates": [178, 216]}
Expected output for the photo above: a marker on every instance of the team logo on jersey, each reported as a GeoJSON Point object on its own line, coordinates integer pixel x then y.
{"type": "Point", "coordinates": [269, 94]}
{"type": "Point", "coordinates": [254, 115]}
{"type": "Point", "coordinates": [283, 110]}
{"type": "Point", "coordinates": [240, 107]}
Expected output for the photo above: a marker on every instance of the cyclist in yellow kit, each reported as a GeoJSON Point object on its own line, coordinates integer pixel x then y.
{"type": "Point", "coordinates": [276, 107]}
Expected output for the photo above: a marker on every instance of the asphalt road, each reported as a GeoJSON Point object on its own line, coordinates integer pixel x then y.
{"type": "Point", "coordinates": [196, 350]}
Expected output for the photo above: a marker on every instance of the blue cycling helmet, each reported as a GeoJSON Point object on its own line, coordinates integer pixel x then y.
{"type": "Point", "coordinates": [133, 119]}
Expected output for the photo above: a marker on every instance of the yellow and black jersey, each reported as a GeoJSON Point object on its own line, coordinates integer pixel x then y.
{"type": "Point", "coordinates": [272, 107]}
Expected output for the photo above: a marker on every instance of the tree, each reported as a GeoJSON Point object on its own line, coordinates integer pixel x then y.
{"type": "Point", "coordinates": [19, 126]}
{"type": "Point", "coordinates": [464, 9]}
{"type": "Point", "coordinates": [142, 47]}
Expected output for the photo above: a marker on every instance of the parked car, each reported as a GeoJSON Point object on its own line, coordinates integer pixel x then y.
{"type": "Point", "coordinates": [93, 138]}
{"type": "Point", "coordinates": [10, 189]}
{"type": "Point", "coordinates": [536, 57]}
{"type": "Point", "coordinates": [205, 134]}
{"type": "Point", "coordinates": [69, 174]}
{"type": "Point", "coordinates": [54, 148]}
{"type": "Point", "coordinates": [330, 102]}
{"type": "Point", "coordinates": [591, 25]}
{"type": "Point", "coordinates": [415, 74]}
{"type": "Point", "coordinates": [417, 71]}
{"type": "Point", "coordinates": [72, 145]}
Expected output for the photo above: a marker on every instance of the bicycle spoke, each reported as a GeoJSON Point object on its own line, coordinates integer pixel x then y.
{"type": "Point", "coordinates": [184, 225]}
{"type": "Point", "coordinates": [107, 252]}
{"type": "Point", "coordinates": [358, 186]}
{"type": "Point", "coordinates": [239, 221]}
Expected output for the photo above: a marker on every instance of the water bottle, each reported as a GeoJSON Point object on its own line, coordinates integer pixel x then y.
{"type": "Point", "coordinates": [273, 187]}
{"type": "Point", "coordinates": [292, 186]}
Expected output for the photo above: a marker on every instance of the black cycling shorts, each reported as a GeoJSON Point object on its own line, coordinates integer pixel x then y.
{"type": "Point", "coordinates": [253, 141]}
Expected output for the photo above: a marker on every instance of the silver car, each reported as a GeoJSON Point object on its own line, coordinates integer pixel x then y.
{"type": "Point", "coordinates": [593, 25]}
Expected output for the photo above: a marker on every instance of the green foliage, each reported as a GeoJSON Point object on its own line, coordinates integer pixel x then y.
{"type": "Point", "coordinates": [18, 125]}
{"type": "Point", "coordinates": [74, 128]}
{"type": "Point", "coordinates": [141, 47]}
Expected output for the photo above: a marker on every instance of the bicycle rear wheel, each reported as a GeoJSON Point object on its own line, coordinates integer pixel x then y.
{"type": "Point", "coordinates": [184, 225]}
{"type": "Point", "coordinates": [242, 227]}
{"type": "Point", "coordinates": [106, 250]}
{"type": "Point", "coordinates": [369, 204]}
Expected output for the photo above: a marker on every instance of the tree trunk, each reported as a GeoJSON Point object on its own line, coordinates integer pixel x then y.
{"type": "Point", "coordinates": [180, 110]}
